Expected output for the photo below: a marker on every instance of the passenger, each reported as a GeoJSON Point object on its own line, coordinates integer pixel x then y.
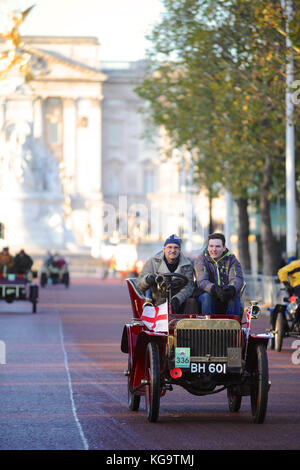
{"type": "Point", "coordinates": [219, 278]}
{"type": "Point", "coordinates": [58, 261]}
{"type": "Point", "coordinates": [6, 260]}
{"type": "Point", "coordinates": [22, 263]}
{"type": "Point", "coordinates": [289, 275]}
{"type": "Point", "coordinates": [169, 260]}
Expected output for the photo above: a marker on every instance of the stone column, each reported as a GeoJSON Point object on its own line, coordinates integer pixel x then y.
{"type": "Point", "coordinates": [69, 142]}
{"type": "Point", "coordinates": [95, 160]}
{"type": "Point", "coordinates": [89, 166]}
{"type": "Point", "coordinates": [37, 118]}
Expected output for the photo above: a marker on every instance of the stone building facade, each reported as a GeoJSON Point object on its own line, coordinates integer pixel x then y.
{"type": "Point", "coordinates": [114, 182]}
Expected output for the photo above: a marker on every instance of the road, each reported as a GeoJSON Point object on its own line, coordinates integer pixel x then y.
{"type": "Point", "coordinates": [63, 388]}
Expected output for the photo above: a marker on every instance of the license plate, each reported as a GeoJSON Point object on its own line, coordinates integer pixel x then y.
{"type": "Point", "coordinates": [10, 291]}
{"type": "Point", "coordinates": [208, 367]}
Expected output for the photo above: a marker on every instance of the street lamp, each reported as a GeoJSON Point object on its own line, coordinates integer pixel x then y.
{"type": "Point", "coordinates": [287, 7]}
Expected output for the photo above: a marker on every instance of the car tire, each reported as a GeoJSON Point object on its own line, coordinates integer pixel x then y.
{"type": "Point", "coordinates": [152, 376]}
{"type": "Point", "coordinates": [133, 400]}
{"type": "Point", "coordinates": [279, 331]}
{"type": "Point", "coordinates": [260, 389]}
{"type": "Point", "coordinates": [43, 280]}
{"type": "Point", "coordinates": [234, 401]}
{"type": "Point", "coordinates": [66, 279]}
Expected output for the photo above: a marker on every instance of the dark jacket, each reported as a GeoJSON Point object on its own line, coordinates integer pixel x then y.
{"type": "Point", "coordinates": [225, 271]}
{"type": "Point", "coordinates": [157, 265]}
{"type": "Point", "coordinates": [22, 264]}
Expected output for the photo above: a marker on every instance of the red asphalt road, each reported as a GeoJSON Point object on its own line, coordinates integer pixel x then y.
{"type": "Point", "coordinates": [63, 388]}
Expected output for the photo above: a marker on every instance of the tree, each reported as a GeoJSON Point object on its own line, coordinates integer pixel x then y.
{"type": "Point", "coordinates": [216, 83]}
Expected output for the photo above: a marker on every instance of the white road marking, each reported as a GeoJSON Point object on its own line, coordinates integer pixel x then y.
{"type": "Point", "coordinates": [83, 438]}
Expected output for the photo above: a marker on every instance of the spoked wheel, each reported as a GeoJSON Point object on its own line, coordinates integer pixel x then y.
{"type": "Point", "coordinates": [260, 389]}
{"type": "Point", "coordinates": [66, 279]}
{"type": "Point", "coordinates": [234, 400]}
{"type": "Point", "coordinates": [152, 375]}
{"type": "Point", "coordinates": [133, 400]}
{"type": "Point", "coordinates": [43, 280]}
{"type": "Point", "coordinates": [279, 331]}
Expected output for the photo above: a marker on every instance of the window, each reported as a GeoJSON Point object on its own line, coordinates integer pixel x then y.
{"type": "Point", "coordinates": [53, 126]}
{"type": "Point", "coordinates": [149, 181]}
{"type": "Point", "coordinates": [112, 183]}
{"type": "Point", "coordinates": [114, 134]}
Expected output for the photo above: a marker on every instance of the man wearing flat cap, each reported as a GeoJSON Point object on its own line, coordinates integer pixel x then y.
{"type": "Point", "coordinates": [169, 260]}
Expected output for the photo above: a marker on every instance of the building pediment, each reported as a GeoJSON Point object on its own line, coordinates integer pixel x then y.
{"type": "Point", "coordinates": [51, 65]}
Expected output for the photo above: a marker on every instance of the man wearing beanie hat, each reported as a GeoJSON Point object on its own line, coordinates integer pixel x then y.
{"type": "Point", "coordinates": [169, 260]}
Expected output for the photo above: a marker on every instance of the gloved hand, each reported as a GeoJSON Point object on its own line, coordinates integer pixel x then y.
{"type": "Point", "coordinates": [217, 291]}
{"type": "Point", "coordinates": [175, 304]}
{"type": "Point", "coordinates": [228, 292]}
{"type": "Point", "coordinates": [150, 279]}
{"type": "Point", "coordinates": [288, 287]}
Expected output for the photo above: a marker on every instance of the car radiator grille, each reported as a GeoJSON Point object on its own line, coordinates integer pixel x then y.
{"type": "Point", "coordinates": [204, 341]}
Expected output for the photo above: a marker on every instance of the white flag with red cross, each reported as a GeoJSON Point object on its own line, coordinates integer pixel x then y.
{"type": "Point", "coordinates": [156, 318]}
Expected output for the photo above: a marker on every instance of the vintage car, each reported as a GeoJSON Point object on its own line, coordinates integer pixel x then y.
{"type": "Point", "coordinates": [285, 319]}
{"type": "Point", "coordinates": [55, 270]}
{"type": "Point", "coordinates": [19, 287]}
{"type": "Point", "coordinates": [202, 354]}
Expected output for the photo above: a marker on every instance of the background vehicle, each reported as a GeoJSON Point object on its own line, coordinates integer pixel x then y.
{"type": "Point", "coordinates": [19, 287]}
{"type": "Point", "coordinates": [55, 270]}
{"type": "Point", "coordinates": [285, 319]}
{"type": "Point", "coordinates": [202, 354]}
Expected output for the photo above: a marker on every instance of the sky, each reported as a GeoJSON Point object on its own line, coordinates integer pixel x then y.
{"type": "Point", "coordinates": [119, 25]}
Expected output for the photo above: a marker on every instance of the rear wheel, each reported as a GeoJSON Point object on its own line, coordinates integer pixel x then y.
{"type": "Point", "coordinates": [279, 331]}
{"type": "Point", "coordinates": [260, 388]}
{"type": "Point", "coordinates": [234, 400]}
{"type": "Point", "coordinates": [152, 376]}
{"type": "Point", "coordinates": [33, 296]}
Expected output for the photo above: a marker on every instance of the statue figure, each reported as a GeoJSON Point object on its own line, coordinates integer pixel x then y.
{"type": "Point", "coordinates": [26, 166]}
{"type": "Point", "coordinates": [14, 56]}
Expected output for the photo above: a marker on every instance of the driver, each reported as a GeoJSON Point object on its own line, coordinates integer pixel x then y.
{"type": "Point", "coordinates": [289, 275]}
{"type": "Point", "coordinates": [169, 260]}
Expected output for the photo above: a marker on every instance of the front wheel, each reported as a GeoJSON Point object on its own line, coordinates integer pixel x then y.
{"type": "Point", "coordinates": [152, 376]}
{"type": "Point", "coordinates": [279, 331]}
{"type": "Point", "coordinates": [260, 388]}
{"type": "Point", "coordinates": [66, 279]}
{"type": "Point", "coordinates": [133, 400]}
{"type": "Point", "coordinates": [43, 280]}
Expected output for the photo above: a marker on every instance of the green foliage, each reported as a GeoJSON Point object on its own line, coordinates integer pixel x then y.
{"type": "Point", "coordinates": [216, 82]}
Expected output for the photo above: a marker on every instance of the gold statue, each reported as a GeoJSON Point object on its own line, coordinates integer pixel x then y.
{"type": "Point", "coordinates": [14, 55]}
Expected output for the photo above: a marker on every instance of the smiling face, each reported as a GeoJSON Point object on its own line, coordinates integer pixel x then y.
{"type": "Point", "coordinates": [171, 252]}
{"type": "Point", "coordinates": [215, 248]}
